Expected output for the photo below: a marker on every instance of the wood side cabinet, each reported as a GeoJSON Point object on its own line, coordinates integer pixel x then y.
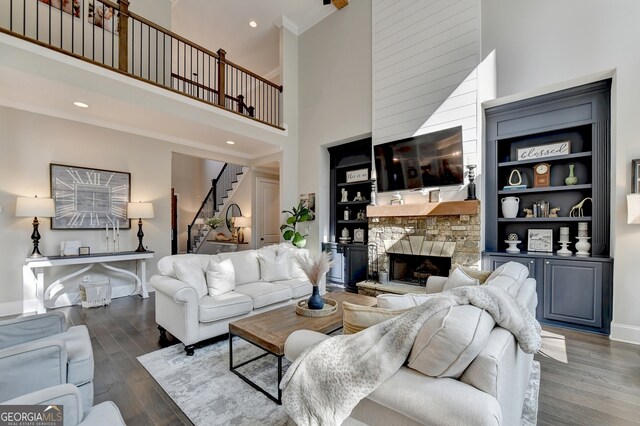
{"type": "Point", "coordinates": [574, 292]}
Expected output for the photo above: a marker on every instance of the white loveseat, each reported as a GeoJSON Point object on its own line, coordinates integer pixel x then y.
{"type": "Point", "coordinates": [490, 391]}
{"type": "Point", "coordinates": [193, 314]}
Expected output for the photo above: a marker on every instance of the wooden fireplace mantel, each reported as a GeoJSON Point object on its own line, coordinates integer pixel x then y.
{"type": "Point", "coordinates": [445, 208]}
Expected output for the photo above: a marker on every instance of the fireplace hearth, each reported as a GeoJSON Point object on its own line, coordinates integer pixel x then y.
{"type": "Point", "coordinates": [415, 269]}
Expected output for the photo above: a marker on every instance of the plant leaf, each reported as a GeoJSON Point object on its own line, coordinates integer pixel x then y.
{"type": "Point", "coordinates": [288, 234]}
{"type": "Point", "coordinates": [297, 238]}
{"type": "Point", "coordinates": [291, 220]}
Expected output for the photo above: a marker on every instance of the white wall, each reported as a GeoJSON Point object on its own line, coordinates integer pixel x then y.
{"type": "Point", "coordinates": [29, 143]}
{"type": "Point", "coordinates": [186, 180]}
{"type": "Point", "coordinates": [335, 99]}
{"type": "Point", "coordinates": [425, 76]}
{"type": "Point", "coordinates": [548, 45]}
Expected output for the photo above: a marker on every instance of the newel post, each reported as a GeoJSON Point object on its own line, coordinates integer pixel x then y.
{"type": "Point", "coordinates": [221, 77]}
{"type": "Point", "coordinates": [123, 39]}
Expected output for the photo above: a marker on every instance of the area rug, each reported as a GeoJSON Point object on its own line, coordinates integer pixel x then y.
{"type": "Point", "coordinates": [208, 393]}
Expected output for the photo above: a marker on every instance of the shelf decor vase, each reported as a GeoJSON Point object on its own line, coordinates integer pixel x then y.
{"type": "Point", "coordinates": [315, 301]}
{"type": "Point", "coordinates": [510, 207]}
{"type": "Point", "coordinates": [571, 179]}
{"type": "Point", "coordinates": [583, 246]}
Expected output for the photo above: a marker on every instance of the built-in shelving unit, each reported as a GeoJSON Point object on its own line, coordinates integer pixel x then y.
{"type": "Point", "coordinates": [350, 257]}
{"type": "Point", "coordinates": [573, 291]}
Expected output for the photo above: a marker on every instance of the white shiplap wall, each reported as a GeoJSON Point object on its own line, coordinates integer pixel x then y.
{"type": "Point", "coordinates": [425, 58]}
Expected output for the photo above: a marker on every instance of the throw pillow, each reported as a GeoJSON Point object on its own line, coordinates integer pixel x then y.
{"type": "Point", "coordinates": [401, 301]}
{"type": "Point", "coordinates": [221, 277]}
{"type": "Point", "coordinates": [459, 279]}
{"type": "Point", "coordinates": [473, 273]}
{"type": "Point", "coordinates": [356, 317]}
{"type": "Point", "coordinates": [274, 268]}
{"type": "Point", "coordinates": [450, 340]}
{"type": "Point", "coordinates": [189, 271]}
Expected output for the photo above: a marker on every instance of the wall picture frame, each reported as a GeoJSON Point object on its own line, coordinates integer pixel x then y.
{"type": "Point", "coordinates": [88, 199]}
{"type": "Point", "coordinates": [635, 176]}
{"type": "Point", "coordinates": [540, 240]}
{"type": "Point", "coordinates": [309, 201]}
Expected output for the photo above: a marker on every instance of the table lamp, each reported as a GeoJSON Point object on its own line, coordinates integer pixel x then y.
{"type": "Point", "coordinates": [34, 207]}
{"type": "Point", "coordinates": [633, 209]}
{"type": "Point", "coordinates": [141, 211]}
{"type": "Point", "coordinates": [241, 222]}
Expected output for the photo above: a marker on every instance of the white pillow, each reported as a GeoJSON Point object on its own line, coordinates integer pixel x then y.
{"type": "Point", "coordinates": [221, 277]}
{"type": "Point", "coordinates": [274, 268]}
{"type": "Point", "coordinates": [401, 301]}
{"type": "Point", "coordinates": [459, 279]}
{"type": "Point", "coordinates": [190, 272]}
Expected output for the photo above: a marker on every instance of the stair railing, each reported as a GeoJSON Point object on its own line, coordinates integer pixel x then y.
{"type": "Point", "coordinates": [215, 199]}
{"type": "Point", "coordinates": [110, 35]}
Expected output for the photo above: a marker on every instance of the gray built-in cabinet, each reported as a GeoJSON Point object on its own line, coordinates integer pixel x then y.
{"type": "Point", "coordinates": [573, 291]}
{"type": "Point", "coordinates": [350, 258]}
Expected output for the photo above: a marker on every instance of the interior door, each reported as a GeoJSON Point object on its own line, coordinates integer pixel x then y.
{"type": "Point", "coordinates": [267, 212]}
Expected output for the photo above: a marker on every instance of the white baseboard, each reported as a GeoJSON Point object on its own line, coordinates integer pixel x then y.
{"type": "Point", "coordinates": [18, 307]}
{"type": "Point", "coordinates": [625, 333]}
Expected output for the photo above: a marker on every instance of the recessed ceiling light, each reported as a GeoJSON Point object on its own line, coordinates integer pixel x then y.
{"type": "Point", "coordinates": [231, 142]}
{"type": "Point", "coordinates": [253, 24]}
{"type": "Point", "coordinates": [81, 104]}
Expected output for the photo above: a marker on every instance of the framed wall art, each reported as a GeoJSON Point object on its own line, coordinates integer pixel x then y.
{"type": "Point", "coordinates": [635, 176]}
{"type": "Point", "coordinates": [309, 201]}
{"type": "Point", "coordinates": [89, 198]}
{"type": "Point", "coordinates": [540, 240]}
{"type": "Point", "coordinates": [544, 151]}
{"type": "Point", "coordinates": [72, 7]}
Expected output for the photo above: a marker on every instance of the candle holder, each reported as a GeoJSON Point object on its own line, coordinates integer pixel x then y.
{"type": "Point", "coordinates": [471, 188]}
{"type": "Point", "coordinates": [583, 246]}
{"type": "Point", "coordinates": [564, 251]}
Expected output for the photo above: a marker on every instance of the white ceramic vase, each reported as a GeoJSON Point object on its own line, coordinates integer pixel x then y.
{"type": "Point", "coordinates": [510, 207]}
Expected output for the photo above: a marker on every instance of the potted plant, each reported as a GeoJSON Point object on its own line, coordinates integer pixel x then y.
{"type": "Point", "coordinates": [214, 222]}
{"type": "Point", "coordinates": [289, 232]}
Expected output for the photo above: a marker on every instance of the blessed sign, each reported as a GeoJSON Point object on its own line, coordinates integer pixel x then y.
{"type": "Point", "coordinates": [357, 175]}
{"type": "Point", "coordinates": [544, 151]}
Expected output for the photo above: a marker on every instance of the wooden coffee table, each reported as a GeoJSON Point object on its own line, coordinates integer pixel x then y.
{"type": "Point", "coordinates": [270, 330]}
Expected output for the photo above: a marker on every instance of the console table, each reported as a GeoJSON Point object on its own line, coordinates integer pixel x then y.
{"type": "Point", "coordinates": [37, 266]}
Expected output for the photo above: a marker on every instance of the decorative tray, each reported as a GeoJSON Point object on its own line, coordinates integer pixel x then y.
{"type": "Point", "coordinates": [330, 306]}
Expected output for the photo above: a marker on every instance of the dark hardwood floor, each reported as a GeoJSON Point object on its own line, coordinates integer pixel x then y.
{"type": "Point", "coordinates": [586, 379]}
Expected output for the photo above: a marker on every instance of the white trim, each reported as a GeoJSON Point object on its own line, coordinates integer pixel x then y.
{"type": "Point", "coordinates": [287, 23]}
{"type": "Point", "coordinates": [625, 333]}
{"type": "Point", "coordinates": [18, 307]}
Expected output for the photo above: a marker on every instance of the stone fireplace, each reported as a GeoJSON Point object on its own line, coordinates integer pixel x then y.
{"type": "Point", "coordinates": [412, 242]}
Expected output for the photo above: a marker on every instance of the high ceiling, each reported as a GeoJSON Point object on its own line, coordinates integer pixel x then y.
{"type": "Point", "coordinates": [224, 24]}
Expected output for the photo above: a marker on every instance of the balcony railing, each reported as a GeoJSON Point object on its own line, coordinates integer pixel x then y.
{"type": "Point", "coordinates": [108, 34]}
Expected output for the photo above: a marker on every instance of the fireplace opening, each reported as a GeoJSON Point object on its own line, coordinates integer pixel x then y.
{"type": "Point", "coordinates": [413, 269]}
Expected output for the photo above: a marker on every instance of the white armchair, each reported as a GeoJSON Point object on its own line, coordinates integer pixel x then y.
{"type": "Point", "coordinates": [103, 414]}
{"type": "Point", "coordinates": [39, 351]}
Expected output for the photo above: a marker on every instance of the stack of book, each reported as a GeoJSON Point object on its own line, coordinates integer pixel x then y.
{"type": "Point", "coordinates": [514, 187]}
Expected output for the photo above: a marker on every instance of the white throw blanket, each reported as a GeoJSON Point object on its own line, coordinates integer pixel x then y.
{"type": "Point", "coordinates": [328, 380]}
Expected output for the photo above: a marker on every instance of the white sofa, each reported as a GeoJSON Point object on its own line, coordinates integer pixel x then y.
{"type": "Point", "coordinates": [491, 391]}
{"type": "Point", "coordinates": [193, 315]}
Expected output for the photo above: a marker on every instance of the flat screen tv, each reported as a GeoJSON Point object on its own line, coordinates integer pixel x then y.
{"type": "Point", "coordinates": [432, 159]}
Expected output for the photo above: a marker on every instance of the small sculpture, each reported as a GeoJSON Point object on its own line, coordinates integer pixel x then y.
{"type": "Point", "coordinates": [572, 179]}
{"type": "Point", "coordinates": [518, 180]}
{"type": "Point", "coordinates": [347, 214]}
{"type": "Point", "coordinates": [528, 212]}
{"type": "Point", "coordinates": [358, 197]}
{"type": "Point", "coordinates": [576, 211]}
{"type": "Point", "coordinates": [345, 194]}
{"type": "Point", "coordinates": [345, 233]}
{"type": "Point", "coordinates": [554, 212]}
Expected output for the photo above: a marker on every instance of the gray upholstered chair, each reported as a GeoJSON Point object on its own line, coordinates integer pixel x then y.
{"type": "Point", "coordinates": [69, 396]}
{"type": "Point", "coordinates": [39, 351]}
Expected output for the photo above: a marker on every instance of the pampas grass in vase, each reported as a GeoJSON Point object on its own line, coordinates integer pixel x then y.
{"type": "Point", "coordinates": [315, 267]}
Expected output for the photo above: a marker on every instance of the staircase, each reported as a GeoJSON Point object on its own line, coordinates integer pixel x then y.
{"type": "Point", "coordinates": [221, 190]}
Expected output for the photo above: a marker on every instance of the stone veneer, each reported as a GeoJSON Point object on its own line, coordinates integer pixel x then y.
{"type": "Point", "coordinates": [393, 233]}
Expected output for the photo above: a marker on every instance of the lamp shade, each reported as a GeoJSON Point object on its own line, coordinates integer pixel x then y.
{"type": "Point", "coordinates": [35, 207]}
{"type": "Point", "coordinates": [140, 210]}
{"type": "Point", "coordinates": [199, 221]}
{"type": "Point", "coordinates": [242, 222]}
{"type": "Point", "coordinates": [633, 208]}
